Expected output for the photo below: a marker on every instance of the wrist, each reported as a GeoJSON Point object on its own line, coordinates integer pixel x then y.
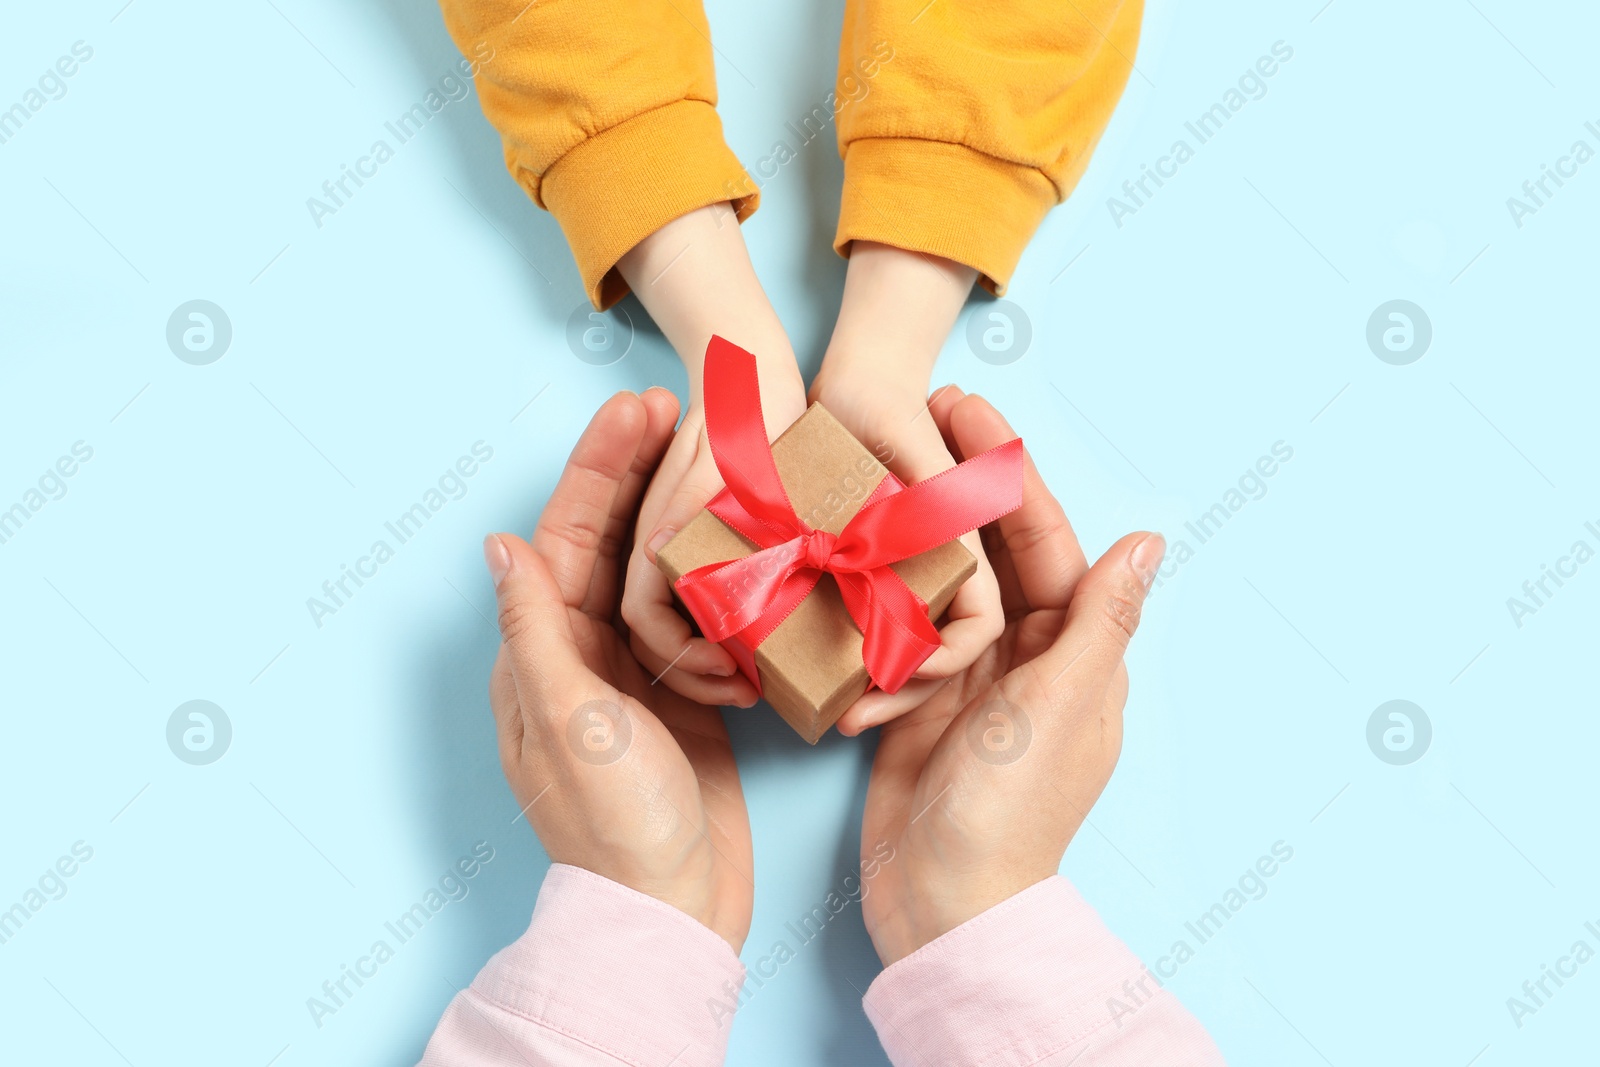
{"type": "Point", "coordinates": [938, 907]}
{"type": "Point", "coordinates": [695, 278]}
{"type": "Point", "coordinates": [893, 369]}
{"type": "Point", "coordinates": [783, 391]}
{"type": "Point", "coordinates": [897, 310]}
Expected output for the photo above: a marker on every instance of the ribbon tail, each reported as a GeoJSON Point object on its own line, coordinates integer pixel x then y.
{"type": "Point", "coordinates": [739, 625]}
{"type": "Point", "coordinates": [730, 597]}
{"type": "Point", "coordinates": [738, 439]}
{"type": "Point", "coordinates": [897, 636]}
{"type": "Point", "coordinates": [932, 512]}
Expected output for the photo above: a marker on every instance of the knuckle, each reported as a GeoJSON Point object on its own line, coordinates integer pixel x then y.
{"type": "Point", "coordinates": [1120, 612]}
{"type": "Point", "coordinates": [581, 535]}
{"type": "Point", "coordinates": [994, 626]}
{"type": "Point", "coordinates": [640, 589]}
{"type": "Point", "coordinates": [643, 652]}
{"type": "Point", "coordinates": [516, 619]}
{"type": "Point", "coordinates": [614, 540]}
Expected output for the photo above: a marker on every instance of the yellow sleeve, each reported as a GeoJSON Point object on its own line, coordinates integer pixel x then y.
{"type": "Point", "coordinates": [608, 115]}
{"type": "Point", "coordinates": [961, 125]}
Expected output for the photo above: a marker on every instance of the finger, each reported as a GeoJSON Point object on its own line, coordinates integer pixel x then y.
{"type": "Point", "coordinates": [1102, 618]}
{"type": "Point", "coordinates": [576, 529]}
{"type": "Point", "coordinates": [918, 450]}
{"type": "Point", "coordinates": [663, 408]}
{"type": "Point", "coordinates": [657, 628]}
{"type": "Point", "coordinates": [536, 635]}
{"type": "Point", "coordinates": [1044, 550]}
{"type": "Point", "coordinates": [875, 707]}
{"type": "Point", "coordinates": [661, 414]}
{"type": "Point", "coordinates": [681, 454]}
{"type": "Point", "coordinates": [699, 484]}
{"type": "Point", "coordinates": [713, 690]}
{"type": "Point", "coordinates": [940, 405]}
{"type": "Point", "coordinates": [976, 620]}
{"type": "Point", "coordinates": [647, 604]}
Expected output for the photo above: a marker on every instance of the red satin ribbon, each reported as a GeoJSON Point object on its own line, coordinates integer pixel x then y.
{"type": "Point", "coordinates": [740, 602]}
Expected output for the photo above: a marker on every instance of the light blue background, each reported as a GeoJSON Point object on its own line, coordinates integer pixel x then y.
{"type": "Point", "coordinates": [1228, 314]}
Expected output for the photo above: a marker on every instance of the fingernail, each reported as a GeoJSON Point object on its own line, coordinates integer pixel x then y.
{"type": "Point", "coordinates": [657, 540]}
{"type": "Point", "coordinates": [1147, 557]}
{"type": "Point", "coordinates": [497, 558]}
{"type": "Point", "coordinates": [722, 670]}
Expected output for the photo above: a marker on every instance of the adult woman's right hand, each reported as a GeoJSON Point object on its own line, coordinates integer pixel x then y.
{"type": "Point", "coordinates": [980, 788]}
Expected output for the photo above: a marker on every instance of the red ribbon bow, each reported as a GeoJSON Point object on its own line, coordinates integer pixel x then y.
{"type": "Point", "coordinates": [742, 601]}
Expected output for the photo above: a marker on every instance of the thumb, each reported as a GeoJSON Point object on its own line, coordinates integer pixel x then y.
{"type": "Point", "coordinates": [700, 483]}
{"type": "Point", "coordinates": [536, 634]}
{"type": "Point", "coordinates": [1106, 605]}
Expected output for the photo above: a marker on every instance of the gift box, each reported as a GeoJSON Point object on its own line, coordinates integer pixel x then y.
{"type": "Point", "coordinates": [816, 568]}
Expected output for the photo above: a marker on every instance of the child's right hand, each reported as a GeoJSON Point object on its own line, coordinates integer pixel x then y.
{"type": "Point", "coordinates": [685, 482]}
{"type": "Point", "coordinates": [695, 278]}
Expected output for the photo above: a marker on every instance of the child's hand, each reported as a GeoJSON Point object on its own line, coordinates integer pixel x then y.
{"type": "Point", "coordinates": [895, 424]}
{"type": "Point", "coordinates": [695, 278]}
{"type": "Point", "coordinates": [898, 308]}
{"type": "Point", "coordinates": [687, 480]}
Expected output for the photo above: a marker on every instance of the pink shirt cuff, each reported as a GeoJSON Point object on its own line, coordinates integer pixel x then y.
{"type": "Point", "coordinates": [1037, 978]}
{"type": "Point", "coordinates": [604, 975]}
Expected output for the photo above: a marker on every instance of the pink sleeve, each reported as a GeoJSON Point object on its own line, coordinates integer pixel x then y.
{"type": "Point", "coordinates": [603, 976]}
{"type": "Point", "coordinates": [1035, 979]}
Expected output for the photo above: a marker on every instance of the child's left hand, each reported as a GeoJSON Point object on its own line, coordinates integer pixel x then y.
{"type": "Point", "coordinates": [896, 426]}
{"type": "Point", "coordinates": [898, 308]}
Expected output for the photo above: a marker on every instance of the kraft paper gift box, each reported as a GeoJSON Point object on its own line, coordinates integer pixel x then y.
{"type": "Point", "coordinates": [810, 666]}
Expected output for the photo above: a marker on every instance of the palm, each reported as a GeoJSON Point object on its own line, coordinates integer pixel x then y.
{"type": "Point", "coordinates": [696, 816]}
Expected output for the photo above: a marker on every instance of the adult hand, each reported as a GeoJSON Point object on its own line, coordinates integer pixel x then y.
{"type": "Point", "coordinates": [618, 776]}
{"type": "Point", "coordinates": [695, 278]}
{"type": "Point", "coordinates": [981, 787]}
{"type": "Point", "coordinates": [897, 310]}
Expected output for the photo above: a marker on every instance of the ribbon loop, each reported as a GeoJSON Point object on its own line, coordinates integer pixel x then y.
{"type": "Point", "coordinates": [742, 601]}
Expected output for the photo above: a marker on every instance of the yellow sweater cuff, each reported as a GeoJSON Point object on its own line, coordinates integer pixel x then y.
{"type": "Point", "coordinates": [943, 199]}
{"type": "Point", "coordinates": [618, 187]}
